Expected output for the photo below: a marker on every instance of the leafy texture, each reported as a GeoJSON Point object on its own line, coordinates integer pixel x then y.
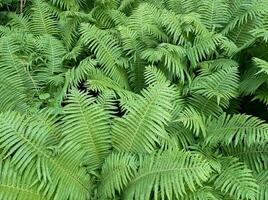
{"type": "Point", "coordinates": [133, 100]}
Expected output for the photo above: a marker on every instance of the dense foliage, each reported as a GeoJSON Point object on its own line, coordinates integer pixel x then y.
{"type": "Point", "coordinates": [134, 99]}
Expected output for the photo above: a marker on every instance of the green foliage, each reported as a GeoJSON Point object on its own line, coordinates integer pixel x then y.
{"type": "Point", "coordinates": [135, 100]}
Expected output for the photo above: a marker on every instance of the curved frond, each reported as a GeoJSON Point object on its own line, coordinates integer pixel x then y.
{"type": "Point", "coordinates": [87, 123]}
{"type": "Point", "coordinates": [255, 157]}
{"type": "Point", "coordinates": [106, 49]}
{"type": "Point", "coordinates": [168, 176]}
{"type": "Point", "coordinates": [13, 185]}
{"type": "Point", "coordinates": [173, 58]}
{"type": "Point", "coordinates": [236, 180]}
{"type": "Point", "coordinates": [117, 171]}
{"type": "Point", "coordinates": [222, 84]}
{"type": "Point", "coordinates": [214, 14]}
{"type": "Point", "coordinates": [182, 6]}
{"type": "Point", "coordinates": [42, 21]}
{"type": "Point", "coordinates": [193, 120]}
{"type": "Point", "coordinates": [262, 180]}
{"type": "Point", "coordinates": [236, 129]}
{"type": "Point", "coordinates": [52, 50]}
{"type": "Point", "coordinates": [139, 130]}
{"type": "Point", "coordinates": [28, 144]}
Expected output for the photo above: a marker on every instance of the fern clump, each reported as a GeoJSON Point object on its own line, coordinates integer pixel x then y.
{"type": "Point", "coordinates": [134, 100]}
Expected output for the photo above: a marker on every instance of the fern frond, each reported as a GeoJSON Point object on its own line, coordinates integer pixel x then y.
{"type": "Point", "coordinates": [251, 81]}
{"type": "Point", "coordinates": [99, 82]}
{"type": "Point", "coordinates": [236, 180]}
{"type": "Point", "coordinates": [261, 33]}
{"type": "Point", "coordinates": [182, 6]}
{"type": "Point", "coordinates": [143, 20]}
{"type": "Point", "coordinates": [203, 46]}
{"type": "Point", "coordinates": [16, 186]}
{"type": "Point", "coordinates": [242, 36]}
{"type": "Point", "coordinates": [236, 129]}
{"type": "Point", "coordinates": [262, 65]}
{"type": "Point", "coordinates": [156, 173]}
{"type": "Point", "coordinates": [202, 193]}
{"type": "Point", "coordinates": [108, 18]}
{"type": "Point", "coordinates": [222, 84]}
{"type": "Point", "coordinates": [261, 95]}
{"type": "Point", "coordinates": [52, 50]}
{"type": "Point", "coordinates": [255, 156]}
{"type": "Point", "coordinates": [118, 169]}
{"type": "Point", "coordinates": [209, 107]}
{"type": "Point", "coordinates": [81, 72]}
{"type": "Point", "coordinates": [68, 4]}
{"type": "Point", "coordinates": [242, 11]}
{"type": "Point", "coordinates": [19, 21]}
{"type": "Point", "coordinates": [179, 137]}
{"type": "Point", "coordinates": [42, 21]}
{"type": "Point", "coordinates": [172, 56]}
{"type": "Point", "coordinates": [106, 50]}
{"type": "Point", "coordinates": [125, 5]}
{"type": "Point", "coordinates": [86, 123]}
{"type": "Point", "coordinates": [13, 74]}
{"type": "Point", "coordinates": [130, 42]}
{"type": "Point", "coordinates": [262, 180]}
{"type": "Point", "coordinates": [214, 14]}
{"type": "Point", "coordinates": [28, 144]}
{"type": "Point", "coordinates": [217, 64]}
{"type": "Point", "coordinates": [193, 120]}
{"type": "Point", "coordinates": [144, 124]}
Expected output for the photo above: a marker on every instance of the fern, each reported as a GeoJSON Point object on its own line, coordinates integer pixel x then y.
{"type": "Point", "coordinates": [91, 129]}
{"type": "Point", "coordinates": [150, 109]}
{"type": "Point", "coordinates": [135, 100]}
{"type": "Point", "coordinates": [157, 172]}
{"type": "Point", "coordinates": [237, 129]}
{"type": "Point", "coordinates": [236, 180]}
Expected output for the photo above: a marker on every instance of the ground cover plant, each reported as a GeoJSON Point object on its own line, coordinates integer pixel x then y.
{"type": "Point", "coordinates": [133, 100]}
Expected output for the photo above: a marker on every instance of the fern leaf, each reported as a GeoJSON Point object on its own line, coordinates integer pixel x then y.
{"type": "Point", "coordinates": [16, 186]}
{"type": "Point", "coordinates": [52, 50]}
{"type": "Point", "coordinates": [168, 175]}
{"type": "Point", "coordinates": [117, 171]}
{"type": "Point", "coordinates": [42, 21]}
{"type": "Point", "coordinates": [193, 120]}
{"type": "Point", "coordinates": [106, 50]}
{"type": "Point", "coordinates": [236, 129]}
{"type": "Point", "coordinates": [263, 183]}
{"type": "Point", "coordinates": [236, 180]}
{"type": "Point", "coordinates": [214, 14]}
{"type": "Point", "coordinates": [85, 122]}
{"type": "Point", "coordinates": [142, 126]}
{"type": "Point", "coordinates": [28, 144]}
{"type": "Point", "coordinates": [222, 84]}
{"type": "Point", "coordinates": [255, 156]}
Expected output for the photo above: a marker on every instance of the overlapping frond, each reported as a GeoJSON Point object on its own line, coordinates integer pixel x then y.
{"type": "Point", "coordinates": [16, 186]}
{"type": "Point", "coordinates": [255, 157]}
{"type": "Point", "coordinates": [27, 143]}
{"type": "Point", "coordinates": [42, 21]}
{"type": "Point", "coordinates": [15, 75]}
{"type": "Point", "coordinates": [236, 129]}
{"type": "Point", "coordinates": [87, 123]}
{"type": "Point", "coordinates": [140, 129]}
{"type": "Point", "coordinates": [52, 51]}
{"type": "Point", "coordinates": [166, 176]}
{"type": "Point", "coordinates": [222, 84]}
{"type": "Point", "coordinates": [193, 120]}
{"type": "Point", "coordinates": [117, 171]}
{"type": "Point", "coordinates": [214, 14]}
{"type": "Point", "coordinates": [106, 49]}
{"type": "Point", "coordinates": [133, 100]}
{"type": "Point", "coordinates": [236, 180]}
